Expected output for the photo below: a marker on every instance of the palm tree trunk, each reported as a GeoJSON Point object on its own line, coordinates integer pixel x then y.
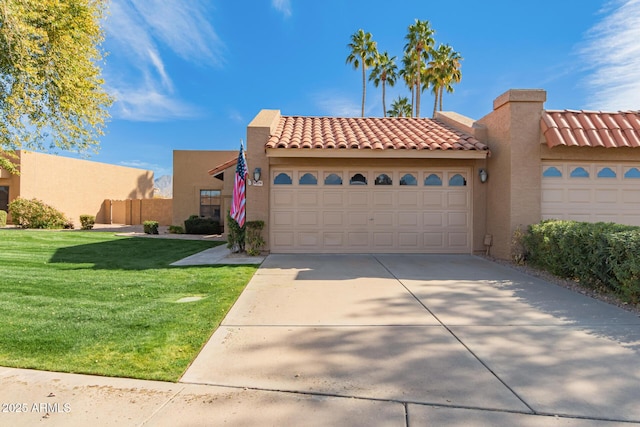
{"type": "Point", "coordinates": [413, 100]}
{"type": "Point", "coordinates": [418, 96]}
{"type": "Point", "coordinates": [441, 95]}
{"type": "Point", "coordinates": [384, 105]}
{"type": "Point", "coordinates": [364, 87]}
{"type": "Point", "coordinates": [435, 100]}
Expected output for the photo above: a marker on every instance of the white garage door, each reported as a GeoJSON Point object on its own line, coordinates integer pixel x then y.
{"type": "Point", "coordinates": [591, 192]}
{"type": "Point", "coordinates": [368, 211]}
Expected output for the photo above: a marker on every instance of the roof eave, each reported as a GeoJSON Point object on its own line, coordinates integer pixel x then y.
{"type": "Point", "coordinates": [346, 153]}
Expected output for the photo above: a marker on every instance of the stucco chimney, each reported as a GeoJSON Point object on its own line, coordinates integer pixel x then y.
{"type": "Point", "coordinates": [513, 136]}
{"type": "Point", "coordinates": [258, 133]}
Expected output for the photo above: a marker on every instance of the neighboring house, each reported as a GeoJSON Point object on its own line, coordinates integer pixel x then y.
{"type": "Point", "coordinates": [195, 191]}
{"type": "Point", "coordinates": [73, 186]}
{"type": "Point", "coordinates": [415, 185]}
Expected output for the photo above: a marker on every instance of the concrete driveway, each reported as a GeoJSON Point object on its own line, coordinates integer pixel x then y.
{"type": "Point", "coordinates": [374, 340]}
{"type": "Point", "coordinates": [419, 340]}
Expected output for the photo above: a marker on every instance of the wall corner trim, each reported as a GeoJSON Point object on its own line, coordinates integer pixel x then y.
{"type": "Point", "coordinates": [520, 95]}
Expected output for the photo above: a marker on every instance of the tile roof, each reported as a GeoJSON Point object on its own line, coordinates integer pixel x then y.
{"type": "Point", "coordinates": [390, 133]}
{"type": "Point", "coordinates": [222, 167]}
{"type": "Point", "coordinates": [591, 128]}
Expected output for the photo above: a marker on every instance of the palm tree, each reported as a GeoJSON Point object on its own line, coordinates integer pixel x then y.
{"type": "Point", "coordinates": [443, 71]}
{"type": "Point", "coordinates": [419, 46]}
{"type": "Point", "coordinates": [363, 52]}
{"type": "Point", "coordinates": [409, 75]}
{"type": "Point", "coordinates": [384, 70]}
{"type": "Point", "coordinates": [401, 108]}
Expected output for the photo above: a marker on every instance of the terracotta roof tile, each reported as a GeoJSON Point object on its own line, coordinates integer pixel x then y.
{"type": "Point", "coordinates": [370, 133]}
{"type": "Point", "coordinates": [591, 128]}
{"type": "Point", "coordinates": [223, 166]}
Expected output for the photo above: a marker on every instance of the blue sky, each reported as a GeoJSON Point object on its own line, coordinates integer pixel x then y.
{"type": "Point", "coordinates": [191, 75]}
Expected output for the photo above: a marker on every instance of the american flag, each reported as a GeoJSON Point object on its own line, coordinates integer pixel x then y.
{"type": "Point", "coordinates": [239, 198]}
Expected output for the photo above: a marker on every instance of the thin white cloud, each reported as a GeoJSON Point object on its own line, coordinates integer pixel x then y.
{"type": "Point", "coordinates": [283, 6]}
{"type": "Point", "coordinates": [158, 170]}
{"type": "Point", "coordinates": [613, 51]}
{"type": "Point", "coordinates": [136, 75]}
{"type": "Point", "coordinates": [147, 104]}
{"type": "Point", "coordinates": [336, 105]}
{"type": "Point", "coordinates": [182, 25]}
{"type": "Point", "coordinates": [236, 117]}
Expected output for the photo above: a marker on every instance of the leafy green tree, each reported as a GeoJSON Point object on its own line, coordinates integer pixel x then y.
{"type": "Point", "coordinates": [362, 53]}
{"type": "Point", "coordinates": [418, 48]}
{"type": "Point", "coordinates": [443, 71]}
{"type": "Point", "coordinates": [384, 71]}
{"type": "Point", "coordinates": [401, 108]}
{"type": "Point", "coordinates": [51, 89]}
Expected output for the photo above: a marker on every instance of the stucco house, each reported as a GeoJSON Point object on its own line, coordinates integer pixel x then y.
{"type": "Point", "coordinates": [449, 184]}
{"type": "Point", "coordinates": [195, 191]}
{"type": "Point", "coordinates": [73, 186]}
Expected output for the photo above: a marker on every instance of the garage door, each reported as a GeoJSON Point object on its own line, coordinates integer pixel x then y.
{"type": "Point", "coordinates": [342, 210]}
{"type": "Point", "coordinates": [591, 192]}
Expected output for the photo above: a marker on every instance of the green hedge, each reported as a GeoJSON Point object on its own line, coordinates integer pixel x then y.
{"type": "Point", "coordinates": [87, 221]}
{"type": "Point", "coordinates": [595, 254]}
{"type": "Point", "coordinates": [3, 218]}
{"type": "Point", "coordinates": [150, 227]}
{"type": "Point", "coordinates": [198, 225]}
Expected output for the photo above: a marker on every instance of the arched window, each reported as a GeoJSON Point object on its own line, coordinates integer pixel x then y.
{"type": "Point", "coordinates": [552, 172]}
{"type": "Point", "coordinates": [358, 179]}
{"type": "Point", "coordinates": [308, 179]}
{"type": "Point", "coordinates": [433, 180]}
{"type": "Point", "coordinates": [408, 179]}
{"type": "Point", "coordinates": [333, 179]}
{"type": "Point", "coordinates": [606, 173]}
{"type": "Point", "coordinates": [632, 173]}
{"type": "Point", "coordinates": [383, 179]}
{"type": "Point", "coordinates": [282, 179]}
{"type": "Point", "coordinates": [579, 172]}
{"type": "Point", "coordinates": [457, 180]}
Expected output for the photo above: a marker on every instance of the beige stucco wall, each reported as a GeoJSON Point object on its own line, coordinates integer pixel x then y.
{"type": "Point", "coordinates": [74, 186]}
{"type": "Point", "coordinates": [258, 132]}
{"type": "Point", "coordinates": [514, 136]}
{"type": "Point", "coordinates": [136, 211]}
{"type": "Point", "coordinates": [190, 175]}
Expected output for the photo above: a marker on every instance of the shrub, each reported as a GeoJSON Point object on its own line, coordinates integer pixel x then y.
{"type": "Point", "coordinates": [176, 229]}
{"type": "Point", "coordinates": [235, 235]}
{"type": "Point", "coordinates": [36, 214]}
{"type": "Point", "coordinates": [3, 218]}
{"type": "Point", "coordinates": [150, 227]}
{"type": "Point", "coordinates": [624, 263]}
{"type": "Point", "coordinates": [254, 237]}
{"type": "Point", "coordinates": [198, 225]}
{"type": "Point", "coordinates": [87, 221]}
{"type": "Point", "coordinates": [595, 254]}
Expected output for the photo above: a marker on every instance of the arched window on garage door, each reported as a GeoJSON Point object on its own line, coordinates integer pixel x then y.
{"type": "Point", "coordinates": [408, 179]}
{"type": "Point", "coordinates": [308, 179]}
{"type": "Point", "coordinates": [433, 180]}
{"type": "Point", "coordinates": [457, 180]}
{"type": "Point", "coordinates": [282, 179]}
{"type": "Point", "coordinates": [383, 179]}
{"type": "Point", "coordinates": [333, 179]}
{"type": "Point", "coordinates": [358, 179]}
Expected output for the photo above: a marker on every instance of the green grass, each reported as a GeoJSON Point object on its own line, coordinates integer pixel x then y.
{"type": "Point", "coordinates": [91, 302]}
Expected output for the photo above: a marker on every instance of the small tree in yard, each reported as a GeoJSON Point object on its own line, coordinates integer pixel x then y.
{"type": "Point", "coordinates": [51, 89]}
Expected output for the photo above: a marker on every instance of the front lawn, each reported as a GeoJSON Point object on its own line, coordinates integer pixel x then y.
{"type": "Point", "coordinates": [91, 302]}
